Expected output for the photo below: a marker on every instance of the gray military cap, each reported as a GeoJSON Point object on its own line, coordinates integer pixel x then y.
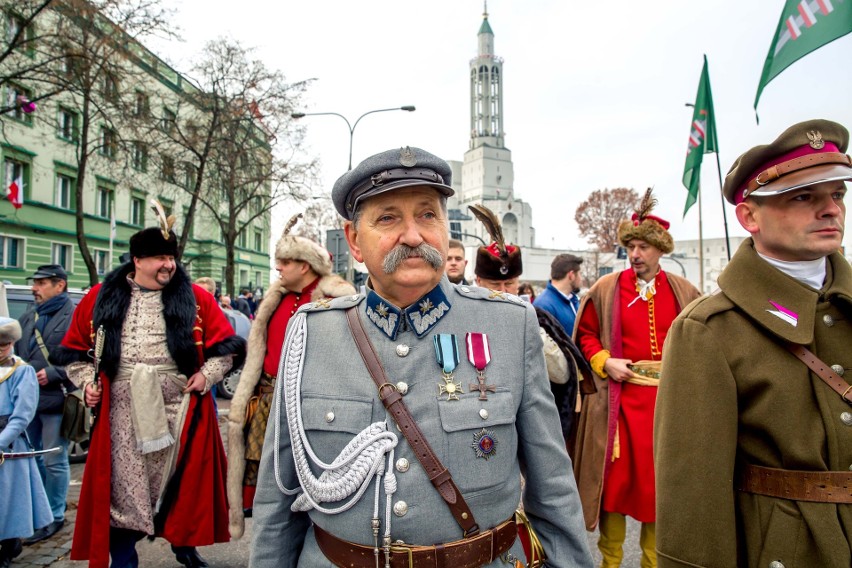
{"type": "Point", "coordinates": [394, 169]}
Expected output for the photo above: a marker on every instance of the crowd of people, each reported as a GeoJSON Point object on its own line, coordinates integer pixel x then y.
{"type": "Point", "coordinates": [431, 420]}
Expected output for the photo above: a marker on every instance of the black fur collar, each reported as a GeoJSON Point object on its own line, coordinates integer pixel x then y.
{"type": "Point", "coordinates": [179, 311]}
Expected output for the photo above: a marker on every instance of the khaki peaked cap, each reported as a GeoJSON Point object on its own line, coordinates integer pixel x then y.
{"type": "Point", "coordinates": [805, 154]}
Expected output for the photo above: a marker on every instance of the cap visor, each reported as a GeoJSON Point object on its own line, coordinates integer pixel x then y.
{"type": "Point", "coordinates": [444, 190]}
{"type": "Point", "coordinates": [805, 178]}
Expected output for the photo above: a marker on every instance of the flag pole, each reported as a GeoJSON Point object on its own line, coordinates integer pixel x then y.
{"type": "Point", "coordinates": [724, 214]}
{"type": "Point", "coordinates": [700, 245]}
{"type": "Point", "coordinates": [111, 231]}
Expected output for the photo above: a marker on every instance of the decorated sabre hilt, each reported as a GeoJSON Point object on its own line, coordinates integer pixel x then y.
{"type": "Point", "coordinates": [99, 350]}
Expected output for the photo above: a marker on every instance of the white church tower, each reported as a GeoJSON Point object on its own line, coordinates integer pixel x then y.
{"type": "Point", "coordinates": [487, 175]}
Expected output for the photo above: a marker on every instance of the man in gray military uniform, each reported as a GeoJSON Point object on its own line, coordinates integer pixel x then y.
{"type": "Point", "coordinates": [339, 484]}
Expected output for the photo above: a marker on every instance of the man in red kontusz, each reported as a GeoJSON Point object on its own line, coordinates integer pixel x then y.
{"type": "Point", "coordinates": [156, 463]}
{"type": "Point", "coordinates": [622, 324]}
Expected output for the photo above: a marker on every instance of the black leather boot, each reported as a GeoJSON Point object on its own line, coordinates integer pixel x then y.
{"type": "Point", "coordinates": [189, 557]}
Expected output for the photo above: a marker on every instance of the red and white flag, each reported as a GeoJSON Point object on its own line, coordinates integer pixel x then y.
{"type": "Point", "coordinates": [15, 192]}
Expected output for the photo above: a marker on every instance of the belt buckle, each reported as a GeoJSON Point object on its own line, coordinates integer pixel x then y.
{"type": "Point", "coordinates": [400, 546]}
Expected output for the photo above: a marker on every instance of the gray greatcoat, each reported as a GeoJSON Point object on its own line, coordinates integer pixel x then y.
{"type": "Point", "coordinates": [339, 400]}
{"type": "Point", "coordinates": [731, 393]}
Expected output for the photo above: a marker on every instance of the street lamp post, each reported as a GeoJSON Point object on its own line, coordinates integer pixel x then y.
{"type": "Point", "coordinates": [407, 108]}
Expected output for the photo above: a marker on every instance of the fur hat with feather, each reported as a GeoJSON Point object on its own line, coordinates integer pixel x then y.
{"type": "Point", "coordinates": [497, 261]}
{"type": "Point", "coordinates": [646, 227]}
{"type": "Point", "coordinates": [299, 248]}
{"type": "Point", "coordinates": [156, 241]}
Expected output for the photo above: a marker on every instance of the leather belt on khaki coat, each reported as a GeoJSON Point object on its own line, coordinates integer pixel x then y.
{"type": "Point", "coordinates": [470, 552]}
{"type": "Point", "coordinates": [814, 486]}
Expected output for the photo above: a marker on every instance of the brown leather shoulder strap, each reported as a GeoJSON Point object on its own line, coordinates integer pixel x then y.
{"type": "Point", "coordinates": [435, 470]}
{"type": "Point", "coordinates": [822, 370]}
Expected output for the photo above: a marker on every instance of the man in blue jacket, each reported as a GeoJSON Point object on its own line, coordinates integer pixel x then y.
{"type": "Point", "coordinates": [560, 297]}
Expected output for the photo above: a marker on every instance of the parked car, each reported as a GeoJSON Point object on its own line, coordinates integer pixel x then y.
{"type": "Point", "coordinates": [19, 299]}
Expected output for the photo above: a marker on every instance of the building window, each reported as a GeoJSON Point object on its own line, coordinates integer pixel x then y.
{"type": "Point", "coordinates": [67, 124]}
{"type": "Point", "coordinates": [109, 88]}
{"type": "Point", "coordinates": [103, 201]}
{"type": "Point", "coordinates": [169, 121]}
{"type": "Point", "coordinates": [61, 254]}
{"type": "Point", "coordinates": [102, 261]}
{"type": "Point", "coordinates": [142, 105]}
{"type": "Point", "coordinates": [258, 241]}
{"type": "Point", "coordinates": [14, 24]}
{"type": "Point", "coordinates": [258, 279]}
{"type": "Point", "coordinates": [17, 97]}
{"type": "Point", "coordinates": [11, 252]}
{"type": "Point", "coordinates": [140, 156]}
{"type": "Point", "coordinates": [109, 142]}
{"type": "Point", "coordinates": [16, 172]}
{"type": "Point", "coordinates": [244, 279]}
{"type": "Point", "coordinates": [167, 172]}
{"type": "Point", "coordinates": [189, 173]}
{"type": "Point", "coordinates": [64, 190]}
{"type": "Point", "coordinates": [242, 240]}
{"type": "Point", "coordinates": [137, 211]}
{"type": "Point", "coordinates": [455, 230]}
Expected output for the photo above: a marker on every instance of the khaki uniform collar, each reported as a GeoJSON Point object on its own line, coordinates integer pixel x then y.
{"type": "Point", "coordinates": [781, 304]}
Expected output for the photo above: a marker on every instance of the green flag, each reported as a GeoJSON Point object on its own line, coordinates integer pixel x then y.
{"type": "Point", "coordinates": [805, 25]}
{"type": "Point", "coordinates": [702, 138]}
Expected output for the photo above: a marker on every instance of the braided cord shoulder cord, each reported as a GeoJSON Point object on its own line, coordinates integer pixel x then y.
{"type": "Point", "coordinates": [349, 475]}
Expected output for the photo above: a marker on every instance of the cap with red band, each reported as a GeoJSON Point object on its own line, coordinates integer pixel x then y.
{"type": "Point", "coordinates": [805, 154]}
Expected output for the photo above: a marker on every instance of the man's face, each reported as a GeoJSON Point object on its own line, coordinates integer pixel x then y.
{"type": "Point", "coordinates": [456, 264]}
{"type": "Point", "coordinates": [391, 227]}
{"type": "Point", "coordinates": [802, 224]}
{"type": "Point", "coordinates": [154, 272]}
{"type": "Point", "coordinates": [44, 289]}
{"type": "Point", "coordinates": [575, 280]}
{"type": "Point", "coordinates": [644, 258]}
{"type": "Point", "coordinates": [511, 285]}
{"type": "Point", "coordinates": [291, 272]}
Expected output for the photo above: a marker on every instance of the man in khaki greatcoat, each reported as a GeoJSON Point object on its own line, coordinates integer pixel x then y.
{"type": "Point", "coordinates": [752, 449]}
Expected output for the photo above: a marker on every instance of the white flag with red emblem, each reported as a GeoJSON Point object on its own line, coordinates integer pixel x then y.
{"type": "Point", "coordinates": [15, 192]}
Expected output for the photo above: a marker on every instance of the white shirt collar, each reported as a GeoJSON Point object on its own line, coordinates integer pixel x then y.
{"type": "Point", "coordinates": [808, 272]}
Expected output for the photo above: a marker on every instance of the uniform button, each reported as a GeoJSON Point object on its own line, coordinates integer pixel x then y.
{"type": "Point", "coordinates": [402, 387]}
{"type": "Point", "coordinates": [402, 349]}
{"type": "Point", "coordinates": [829, 321]}
{"type": "Point", "coordinates": [402, 465]}
{"type": "Point", "coordinates": [838, 369]}
{"type": "Point", "coordinates": [400, 509]}
{"type": "Point", "coordinates": [846, 418]}
{"type": "Point", "coordinates": [776, 564]}
{"type": "Point", "coordinates": [329, 417]}
{"type": "Point", "coordinates": [483, 414]}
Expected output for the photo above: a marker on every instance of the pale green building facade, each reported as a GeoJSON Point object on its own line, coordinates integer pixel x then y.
{"type": "Point", "coordinates": [39, 152]}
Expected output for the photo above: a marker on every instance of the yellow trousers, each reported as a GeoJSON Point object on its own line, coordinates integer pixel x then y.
{"type": "Point", "coordinates": [613, 529]}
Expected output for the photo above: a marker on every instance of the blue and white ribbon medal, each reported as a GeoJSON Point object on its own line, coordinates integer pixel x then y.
{"type": "Point", "coordinates": [447, 355]}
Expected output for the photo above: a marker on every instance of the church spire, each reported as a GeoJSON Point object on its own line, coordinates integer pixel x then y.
{"type": "Point", "coordinates": [486, 88]}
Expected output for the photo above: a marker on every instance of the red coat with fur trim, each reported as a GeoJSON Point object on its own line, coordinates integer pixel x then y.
{"type": "Point", "coordinates": [194, 513]}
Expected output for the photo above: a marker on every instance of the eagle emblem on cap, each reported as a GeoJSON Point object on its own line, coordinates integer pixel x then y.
{"type": "Point", "coordinates": [816, 141]}
{"type": "Point", "coordinates": [406, 157]}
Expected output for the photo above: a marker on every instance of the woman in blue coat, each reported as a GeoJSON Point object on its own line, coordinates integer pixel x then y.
{"type": "Point", "coordinates": [23, 501]}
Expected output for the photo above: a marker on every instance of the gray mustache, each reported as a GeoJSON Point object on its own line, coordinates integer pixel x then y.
{"type": "Point", "coordinates": [400, 252]}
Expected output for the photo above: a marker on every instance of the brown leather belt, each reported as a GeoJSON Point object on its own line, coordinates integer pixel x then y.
{"type": "Point", "coordinates": [471, 552]}
{"type": "Point", "coordinates": [815, 486]}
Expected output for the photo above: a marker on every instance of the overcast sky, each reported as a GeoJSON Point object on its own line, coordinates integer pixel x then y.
{"type": "Point", "coordinates": [594, 93]}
